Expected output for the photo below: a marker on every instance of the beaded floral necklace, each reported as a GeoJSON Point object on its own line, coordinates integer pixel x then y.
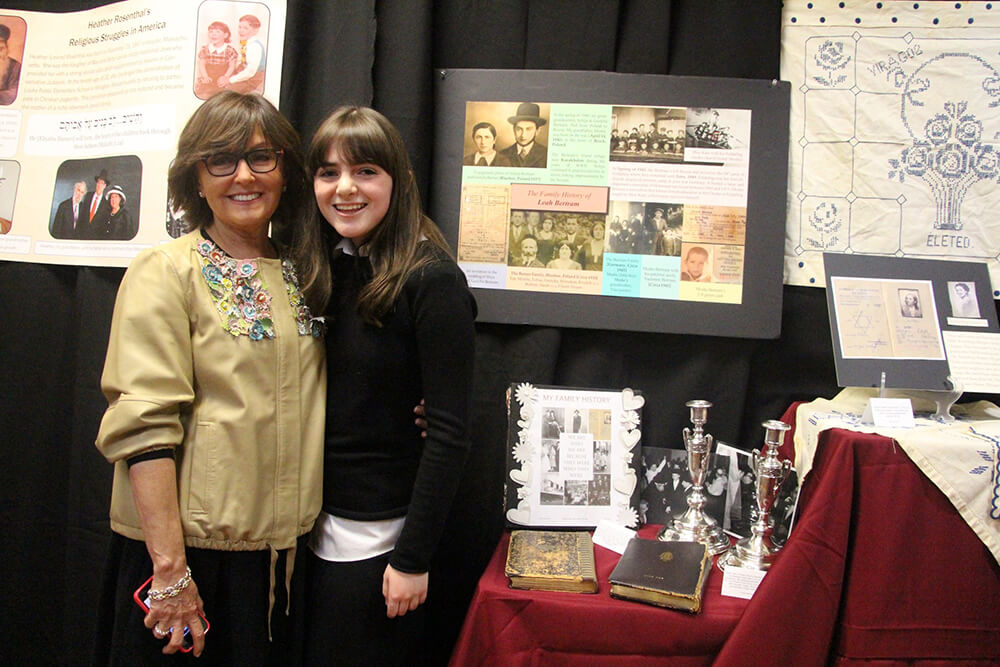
{"type": "Point", "coordinates": [242, 299]}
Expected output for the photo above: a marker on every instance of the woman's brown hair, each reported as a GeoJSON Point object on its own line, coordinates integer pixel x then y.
{"type": "Point", "coordinates": [224, 124]}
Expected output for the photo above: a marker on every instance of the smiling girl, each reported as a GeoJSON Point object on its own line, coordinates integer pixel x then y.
{"type": "Point", "coordinates": [216, 59]}
{"type": "Point", "coordinates": [401, 327]}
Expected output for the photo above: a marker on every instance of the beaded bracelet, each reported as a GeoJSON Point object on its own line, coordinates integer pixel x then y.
{"type": "Point", "coordinates": [172, 591]}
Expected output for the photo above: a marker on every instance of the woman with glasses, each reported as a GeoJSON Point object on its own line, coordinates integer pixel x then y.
{"type": "Point", "coordinates": [216, 383]}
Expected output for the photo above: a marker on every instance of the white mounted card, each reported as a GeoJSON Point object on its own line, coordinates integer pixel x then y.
{"type": "Point", "coordinates": [889, 413]}
{"type": "Point", "coordinates": [741, 582]}
{"type": "Point", "coordinates": [611, 535]}
{"type": "Point", "coordinates": [974, 359]}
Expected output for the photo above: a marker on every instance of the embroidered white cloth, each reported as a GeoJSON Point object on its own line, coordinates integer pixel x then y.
{"type": "Point", "coordinates": [961, 458]}
{"type": "Point", "coordinates": [893, 131]}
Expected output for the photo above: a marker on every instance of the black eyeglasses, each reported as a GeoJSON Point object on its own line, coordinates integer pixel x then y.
{"type": "Point", "coordinates": [260, 161]}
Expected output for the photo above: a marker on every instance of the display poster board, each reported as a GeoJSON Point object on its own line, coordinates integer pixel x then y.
{"type": "Point", "coordinates": [572, 456]}
{"type": "Point", "coordinates": [95, 109]}
{"type": "Point", "coordinates": [615, 201]}
{"type": "Point", "coordinates": [916, 320]}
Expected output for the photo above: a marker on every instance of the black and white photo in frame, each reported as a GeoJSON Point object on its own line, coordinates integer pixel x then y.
{"type": "Point", "coordinates": [667, 479]}
{"type": "Point", "coordinates": [741, 499]}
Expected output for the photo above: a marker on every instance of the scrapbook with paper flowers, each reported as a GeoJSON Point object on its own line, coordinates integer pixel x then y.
{"type": "Point", "coordinates": [573, 456]}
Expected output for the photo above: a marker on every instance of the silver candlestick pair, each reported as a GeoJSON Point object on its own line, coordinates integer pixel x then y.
{"type": "Point", "coordinates": [756, 551]}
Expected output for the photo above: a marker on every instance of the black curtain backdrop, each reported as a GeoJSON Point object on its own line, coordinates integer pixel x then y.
{"type": "Point", "coordinates": [54, 320]}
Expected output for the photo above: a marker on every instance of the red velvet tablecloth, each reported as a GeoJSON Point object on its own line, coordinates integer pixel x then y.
{"type": "Point", "coordinates": [879, 567]}
{"type": "Point", "coordinates": [506, 626]}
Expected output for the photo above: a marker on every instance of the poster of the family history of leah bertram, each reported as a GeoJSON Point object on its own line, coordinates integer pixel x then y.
{"type": "Point", "coordinates": [596, 199]}
{"type": "Point", "coordinates": [91, 108]}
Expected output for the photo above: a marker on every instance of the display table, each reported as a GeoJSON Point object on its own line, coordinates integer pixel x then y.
{"type": "Point", "coordinates": [879, 562]}
{"type": "Point", "coordinates": [879, 566]}
{"type": "Point", "coordinates": [506, 626]}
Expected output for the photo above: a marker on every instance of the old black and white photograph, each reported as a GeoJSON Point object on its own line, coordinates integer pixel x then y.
{"type": "Point", "coordinates": [716, 128]}
{"type": "Point", "coordinates": [741, 502]}
{"type": "Point", "coordinates": [667, 480]}
{"type": "Point", "coordinates": [647, 134]}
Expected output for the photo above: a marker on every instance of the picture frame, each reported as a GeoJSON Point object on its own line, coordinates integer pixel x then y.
{"type": "Point", "coordinates": [572, 456]}
{"type": "Point", "coordinates": [667, 480]}
{"type": "Point", "coordinates": [741, 508]}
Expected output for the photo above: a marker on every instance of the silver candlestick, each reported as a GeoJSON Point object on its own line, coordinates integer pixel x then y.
{"type": "Point", "coordinates": [694, 525]}
{"type": "Point", "coordinates": [757, 551]}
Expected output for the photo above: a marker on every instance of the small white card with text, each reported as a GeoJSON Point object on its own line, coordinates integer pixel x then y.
{"type": "Point", "coordinates": [611, 535]}
{"type": "Point", "coordinates": [741, 582]}
{"type": "Point", "coordinates": [889, 413]}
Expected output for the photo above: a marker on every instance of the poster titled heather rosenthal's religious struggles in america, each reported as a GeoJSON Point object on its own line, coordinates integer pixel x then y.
{"type": "Point", "coordinates": [89, 125]}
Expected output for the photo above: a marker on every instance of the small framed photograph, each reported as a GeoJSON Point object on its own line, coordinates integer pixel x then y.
{"type": "Point", "coordinates": [572, 456]}
{"type": "Point", "coordinates": [741, 498]}
{"type": "Point", "coordinates": [667, 479]}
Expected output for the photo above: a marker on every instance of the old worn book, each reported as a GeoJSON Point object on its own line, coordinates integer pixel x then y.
{"type": "Point", "coordinates": [667, 574]}
{"type": "Point", "coordinates": [551, 560]}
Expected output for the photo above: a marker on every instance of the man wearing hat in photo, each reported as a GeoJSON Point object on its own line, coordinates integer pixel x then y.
{"type": "Point", "coordinates": [120, 224]}
{"type": "Point", "coordinates": [676, 491]}
{"type": "Point", "coordinates": [97, 209]}
{"type": "Point", "coordinates": [525, 151]}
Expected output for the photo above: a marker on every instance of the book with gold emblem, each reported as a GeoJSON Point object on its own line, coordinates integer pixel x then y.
{"type": "Point", "coordinates": [667, 574]}
{"type": "Point", "coordinates": [551, 560]}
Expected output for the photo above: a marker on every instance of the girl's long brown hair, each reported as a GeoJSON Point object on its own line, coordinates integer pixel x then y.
{"type": "Point", "coordinates": [364, 136]}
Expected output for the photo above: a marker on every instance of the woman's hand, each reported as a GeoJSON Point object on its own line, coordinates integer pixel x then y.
{"type": "Point", "coordinates": [403, 592]}
{"type": "Point", "coordinates": [179, 612]}
{"type": "Point", "coordinates": [154, 491]}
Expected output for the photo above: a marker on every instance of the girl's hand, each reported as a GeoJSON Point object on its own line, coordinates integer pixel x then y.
{"type": "Point", "coordinates": [403, 592]}
{"type": "Point", "coordinates": [421, 420]}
